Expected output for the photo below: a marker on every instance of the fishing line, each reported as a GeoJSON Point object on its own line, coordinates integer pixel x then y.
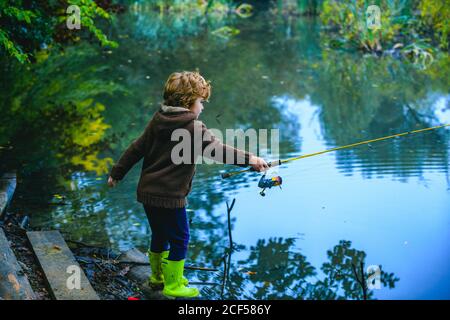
{"type": "Point", "coordinates": [280, 162]}
{"type": "Point", "coordinates": [354, 161]}
{"type": "Point", "coordinates": [358, 165]}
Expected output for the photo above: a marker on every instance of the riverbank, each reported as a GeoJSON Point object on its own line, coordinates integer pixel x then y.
{"type": "Point", "coordinates": [109, 280]}
{"type": "Point", "coordinates": [107, 277]}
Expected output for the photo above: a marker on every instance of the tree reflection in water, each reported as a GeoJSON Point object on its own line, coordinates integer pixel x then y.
{"type": "Point", "coordinates": [275, 270]}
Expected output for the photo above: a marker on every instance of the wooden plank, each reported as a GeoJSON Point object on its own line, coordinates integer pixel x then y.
{"type": "Point", "coordinates": [14, 284]}
{"type": "Point", "coordinates": [7, 188]}
{"type": "Point", "coordinates": [58, 263]}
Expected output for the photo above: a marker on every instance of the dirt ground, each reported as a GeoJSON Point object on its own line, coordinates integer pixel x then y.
{"type": "Point", "coordinates": [106, 275]}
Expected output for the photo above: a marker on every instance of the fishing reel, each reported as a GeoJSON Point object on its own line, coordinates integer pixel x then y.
{"type": "Point", "coordinates": [267, 183]}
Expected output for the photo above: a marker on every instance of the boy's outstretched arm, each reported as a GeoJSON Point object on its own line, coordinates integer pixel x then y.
{"type": "Point", "coordinates": [224, 153]}
{"type": "Point", "coordinates": [129, 158]}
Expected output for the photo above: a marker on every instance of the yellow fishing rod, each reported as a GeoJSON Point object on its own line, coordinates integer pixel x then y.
{"type": "Point", "coordinates": [274, 182]}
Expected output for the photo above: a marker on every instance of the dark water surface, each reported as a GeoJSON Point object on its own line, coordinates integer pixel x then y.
{"type": "Point", "coordinates": [388, 203]}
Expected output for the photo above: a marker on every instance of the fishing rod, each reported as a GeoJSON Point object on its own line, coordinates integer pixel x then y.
{"type": "Point", "coordinates": [276, 181]}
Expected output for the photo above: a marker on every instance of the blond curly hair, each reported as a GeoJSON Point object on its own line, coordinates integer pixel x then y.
{"type": "Point", "coordinates": [183, 88]}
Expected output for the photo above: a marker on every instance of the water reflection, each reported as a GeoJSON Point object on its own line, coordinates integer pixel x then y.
{"type": "Point", "coordinates": [274, 269]}
{"type": "Point", "coordinates": [51, 115]}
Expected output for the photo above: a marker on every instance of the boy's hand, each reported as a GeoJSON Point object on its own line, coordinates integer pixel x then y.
{"type": "Point", "coordinates": [258, 164]}
{"type": "Point", "coordinates": [111, 182]}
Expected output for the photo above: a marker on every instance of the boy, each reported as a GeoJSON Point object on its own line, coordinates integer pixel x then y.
{"type": "Point", "coordinates": [164, 184]}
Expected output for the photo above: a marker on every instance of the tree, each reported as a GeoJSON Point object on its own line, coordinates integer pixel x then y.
{"type": "Point", "coordinates": [27, 26]}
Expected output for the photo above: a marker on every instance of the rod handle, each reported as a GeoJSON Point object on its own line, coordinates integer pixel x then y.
{"type": "Point", "coordinates": [271, 164]}
{"type": "Point", "coordinates": [274, 163]}
{"type": "Point", "coordinates": [229, 174]}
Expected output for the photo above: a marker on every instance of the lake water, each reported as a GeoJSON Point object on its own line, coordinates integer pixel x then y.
{"type": "Point", "coordinates": [387, 204]}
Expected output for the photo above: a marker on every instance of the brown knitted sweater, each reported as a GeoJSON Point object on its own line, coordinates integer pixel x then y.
{"type": "Point", "coordinates": [163, 183]}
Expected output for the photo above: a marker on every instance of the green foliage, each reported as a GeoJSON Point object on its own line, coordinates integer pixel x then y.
{"type": "Point", "coordinates": [180, 19]}
{"type": "Point", "coordinates": [89, 12]}
{"type": "Point", "coordinates": [11, 48]}
{"type": "Point", "coordinates": [410, 22]}
{"type": "Point", "coordinates": [201, 6]}
{"type": "Point", "coordinates": [52, 118]}
{"type": "Point", "coordinates": [435, 17]}
{"type": "Point", "coordinates": [26, 27]}
{"type": "Point", "coordinates": [349, 19]}
{"type": "Point", "coordinates": [11, 16]}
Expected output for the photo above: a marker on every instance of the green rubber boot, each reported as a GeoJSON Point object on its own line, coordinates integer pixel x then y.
{"type": "Point", "coordinates": [156, 278]}
{"type": "Point", "coordinates": [173, 286]}
{"type": "Point", "coordinates": [164, 257]}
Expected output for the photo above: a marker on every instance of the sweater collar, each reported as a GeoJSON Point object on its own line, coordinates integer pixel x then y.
{"type": "Point", "coordinates": [165, 108]}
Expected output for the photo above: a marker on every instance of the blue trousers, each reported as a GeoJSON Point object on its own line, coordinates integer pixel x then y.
{"type": "Point", "coordinates": [170, 231]}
